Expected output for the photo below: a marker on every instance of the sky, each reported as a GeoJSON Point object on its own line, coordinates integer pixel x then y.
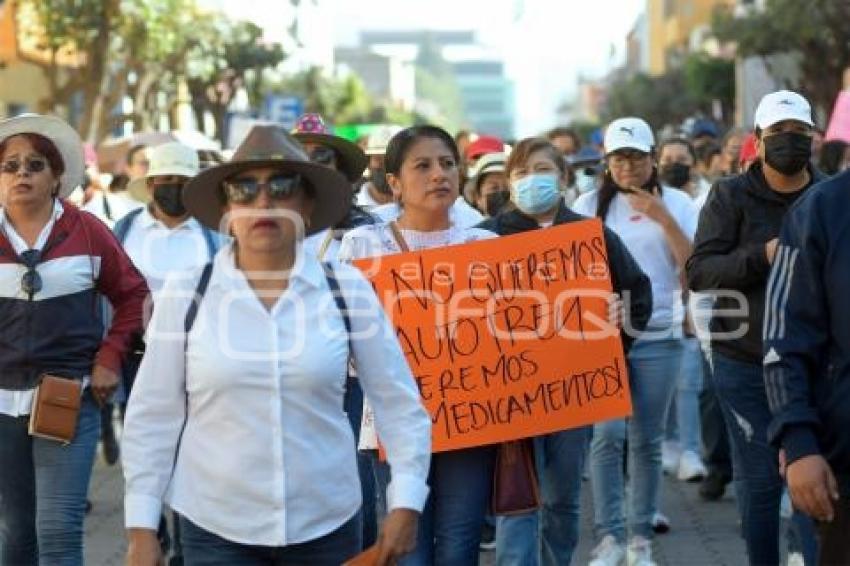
{"type": "Point", "coordinates": [546, 44]}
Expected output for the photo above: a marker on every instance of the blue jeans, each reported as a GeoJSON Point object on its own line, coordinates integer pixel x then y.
{"type": "Point", "coordinates": [548, 536]}
{"type": "Point", "coordinates": [683, 423]}
{"type": "Point", "coordinates": [450, 525]}
{"type": "Point", "coordinates": [203, 548]}
{"type": "Point", "coordinates": [43, 488]}
{"type": "Point", "coordinates": [755, 463]}
{"type": "Point", "coordinates": [654, 366]}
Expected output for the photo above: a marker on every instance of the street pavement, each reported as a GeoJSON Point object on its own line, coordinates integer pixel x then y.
{"type": "Point", "coordinates": [702, 534]}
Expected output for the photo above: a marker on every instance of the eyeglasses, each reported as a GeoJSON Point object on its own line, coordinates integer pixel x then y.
{"type": "Point", "coordinates": [633, 158]}
{"type": "Point", "coordinates": [322, 155]}
{"type": "Point", "coordinates": [31, 282]}
{"type": "Point", "coordinates": [33, 165]}
{"type": "Point", "coordinates": [245, 190]}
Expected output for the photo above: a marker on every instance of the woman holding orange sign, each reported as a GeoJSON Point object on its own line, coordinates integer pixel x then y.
{"type": "Point", "coordinates": [422, 170]}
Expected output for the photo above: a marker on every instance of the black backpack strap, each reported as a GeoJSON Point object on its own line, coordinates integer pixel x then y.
{"type": "Point", "coordinates": [122, 227]}
{"type": "Point", "coordinates": [200, 290]}
{"type": "Point", "coordinates": [333, 283]}
{"type": "Point", "coordinates": [210, 239]}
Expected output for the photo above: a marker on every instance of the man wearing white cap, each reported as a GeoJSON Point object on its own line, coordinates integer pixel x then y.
{"type": "Point", "coordinates": [735, 246]}
{"type": "Point", "coordinates": [161, 238]}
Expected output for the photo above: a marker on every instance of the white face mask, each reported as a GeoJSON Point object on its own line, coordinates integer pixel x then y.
{"type": "Point", "coordinates": [584, 182]}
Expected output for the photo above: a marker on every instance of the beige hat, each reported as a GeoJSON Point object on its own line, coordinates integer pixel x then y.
{"type": "Point", "coordinates": [171, 158]}
{"type": "Point", "coordinates": [380, 138]}
{"type": "Point", "coordinates": [63, 136]}
{"type": "Point", "coordinates": [488, 163]}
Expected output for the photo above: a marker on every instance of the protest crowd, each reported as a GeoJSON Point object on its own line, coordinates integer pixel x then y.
{"type": "Point", "coordinates": [285, 337]}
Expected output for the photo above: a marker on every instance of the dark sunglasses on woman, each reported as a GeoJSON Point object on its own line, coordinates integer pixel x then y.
{"type": "Point", "coordinates": [32, 165]}
{"type": "Point", "coordinates": [245, 190]}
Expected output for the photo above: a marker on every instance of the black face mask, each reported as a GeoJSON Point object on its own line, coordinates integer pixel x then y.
{"type": "Point", "coordinates": [379, 181]}
{"type": "Point", "coordinates": [495, 202]}
{"type": "Point", "coordinates": [675, 174]}
{"type": "Point", "coordinates": [788, 152]}
{"type": "Point", "coordinates": [169, 199]}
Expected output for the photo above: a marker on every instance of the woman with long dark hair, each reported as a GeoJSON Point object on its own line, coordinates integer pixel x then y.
{"type": "Point", "coordinates": [657, 225]}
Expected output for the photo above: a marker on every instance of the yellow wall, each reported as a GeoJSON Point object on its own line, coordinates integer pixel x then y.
{"type": "Point", "coordinates": [22, 83]}
{"type": "Point", "coordinates": [672, 30]}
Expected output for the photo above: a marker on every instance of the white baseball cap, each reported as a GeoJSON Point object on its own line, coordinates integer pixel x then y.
{"type": "Point", "coordinates": [380, 138]}
{"type": "Point", "coordinates": [171, 158]}
{"type": "Point", "coordinates": [628, 133]}
{"type": "Point", "coordinates": [780, 106]}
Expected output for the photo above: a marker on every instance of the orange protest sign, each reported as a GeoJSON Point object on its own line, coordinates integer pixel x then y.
{"type": "Point", "coordinates": [508, 338]}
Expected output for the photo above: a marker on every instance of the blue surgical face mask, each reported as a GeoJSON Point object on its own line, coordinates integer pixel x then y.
{"type": "Point", "coordinates": [536, 193]}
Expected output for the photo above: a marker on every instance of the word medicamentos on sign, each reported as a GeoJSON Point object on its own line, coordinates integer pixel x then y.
{"type": "Point", "coordinates": [508, 338]}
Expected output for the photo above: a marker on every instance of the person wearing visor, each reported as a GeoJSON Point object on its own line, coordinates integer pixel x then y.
{"type": "Point", "coordinates": [487, 187]}
{"type": "Point", "coordinates": [549, 537]}
{"type": "Point", "coordinates": [735, 247]}
{"type": "Point", "coordinates": [236, 421]}
{"type": "Point", "coordinates": [55, 261]}
{"type": "Point", "coordinates": [657, 225]}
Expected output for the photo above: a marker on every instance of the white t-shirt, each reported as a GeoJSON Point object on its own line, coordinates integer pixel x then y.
{"type": "Point", "coordinates": [461, 214]}
{"type": "Point", "coordinates": [364, 198]}
{"type": "Point", "coordinates": [377, 240]}
{"type": "Point", "coordinates": [646, 242]}
{"type": "Point", "coordinates": [120, 204]}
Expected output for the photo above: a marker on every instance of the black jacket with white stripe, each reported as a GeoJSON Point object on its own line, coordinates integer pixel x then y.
{"type": "Point", "coordinates": [807, 330]}
{"type": "Point", "coordinates": [741, 215]}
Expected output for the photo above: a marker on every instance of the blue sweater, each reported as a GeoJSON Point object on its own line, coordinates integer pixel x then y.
{"type": "Point", "coordinates": [807, 329]}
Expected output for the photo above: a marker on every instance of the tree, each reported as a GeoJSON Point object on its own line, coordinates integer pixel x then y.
{"type": "Point", "coordinates": [85, 30]}
{"type": "Point", "coordinates": [815, 31]}
{"type": "Point", "coordinates": [659, 100]}
{"type": "Point", "coordinates": [709, 79]}
{"type": "Point", "coordinates": [233, 57]}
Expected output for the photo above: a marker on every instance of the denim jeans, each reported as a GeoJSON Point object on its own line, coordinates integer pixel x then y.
{"type": "Point", "coordinates": [683, 421]}
{"type": "Point", "coordinates": [450, 525]}
{"type": "Point", "coordinates": [715, 437]}
{"type": "Point", "coordinates": [755, 463]}
{"type": "Point", "coordinates": [548, 536]}
{"type": "Point", "coordinates": [43, 488]}
{"type": "Point", "coordinates": [654, 366]}
{"type": "Point", "coordinates": [353, 407]}
{"type": "Point", "coordinates": [203, 548]}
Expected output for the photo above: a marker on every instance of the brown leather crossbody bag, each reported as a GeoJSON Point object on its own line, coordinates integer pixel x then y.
{"type": "Point", "coordinates": [55, 408]}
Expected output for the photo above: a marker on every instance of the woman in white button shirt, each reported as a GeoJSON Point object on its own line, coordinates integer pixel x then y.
{"type": "Point", "coordinates": [238, 423]}
{"type": "Point", "coordinates": [422, 170]}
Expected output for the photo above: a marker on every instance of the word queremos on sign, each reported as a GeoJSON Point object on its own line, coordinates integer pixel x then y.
{"type": "Point", "coordinates": [508, 338]}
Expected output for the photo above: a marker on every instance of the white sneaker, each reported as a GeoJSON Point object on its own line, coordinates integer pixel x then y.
{"type": "Point", "coordinates": [670, 454]}
{"type": "Point", "coordinates": [796, 559]}
{"type": "Point", "coordinates": [609, 552]}
{"type": "Point", "coordinates": [660, 523]}
{"type": "Point", "coordinates": [639, 552]}
{"type": "Point", "coordinates": [691, 468]}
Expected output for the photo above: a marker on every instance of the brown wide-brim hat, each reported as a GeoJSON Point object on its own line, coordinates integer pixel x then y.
{"type": "Point", "coordinates": [352, 159]}
{"type": "Point", "coordinates": [270, 146]}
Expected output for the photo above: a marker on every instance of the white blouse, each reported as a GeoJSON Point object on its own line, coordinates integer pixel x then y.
{"type": "Point", "coordinates": [267, 456]}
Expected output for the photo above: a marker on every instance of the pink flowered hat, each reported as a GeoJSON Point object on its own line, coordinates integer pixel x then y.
{"type": "Point", "coordinates": [311, 129]}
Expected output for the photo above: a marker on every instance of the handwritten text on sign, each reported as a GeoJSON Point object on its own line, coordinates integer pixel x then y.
{"type": "Point", "coordinates": [507, 338]}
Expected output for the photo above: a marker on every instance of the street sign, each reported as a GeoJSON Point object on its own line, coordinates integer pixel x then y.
{"type": "Point", "coordinates": [284, 110]}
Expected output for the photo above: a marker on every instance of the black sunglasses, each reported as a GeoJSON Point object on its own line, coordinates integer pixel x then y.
{"type": "Point", "coordinates": [322, 155]}
{"type": "Point", "coordinates": [245, 190]}
{"type": "Point", "coordinates": [34, 165]}
{"type": "Point", "coordinates": [31, 282]}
